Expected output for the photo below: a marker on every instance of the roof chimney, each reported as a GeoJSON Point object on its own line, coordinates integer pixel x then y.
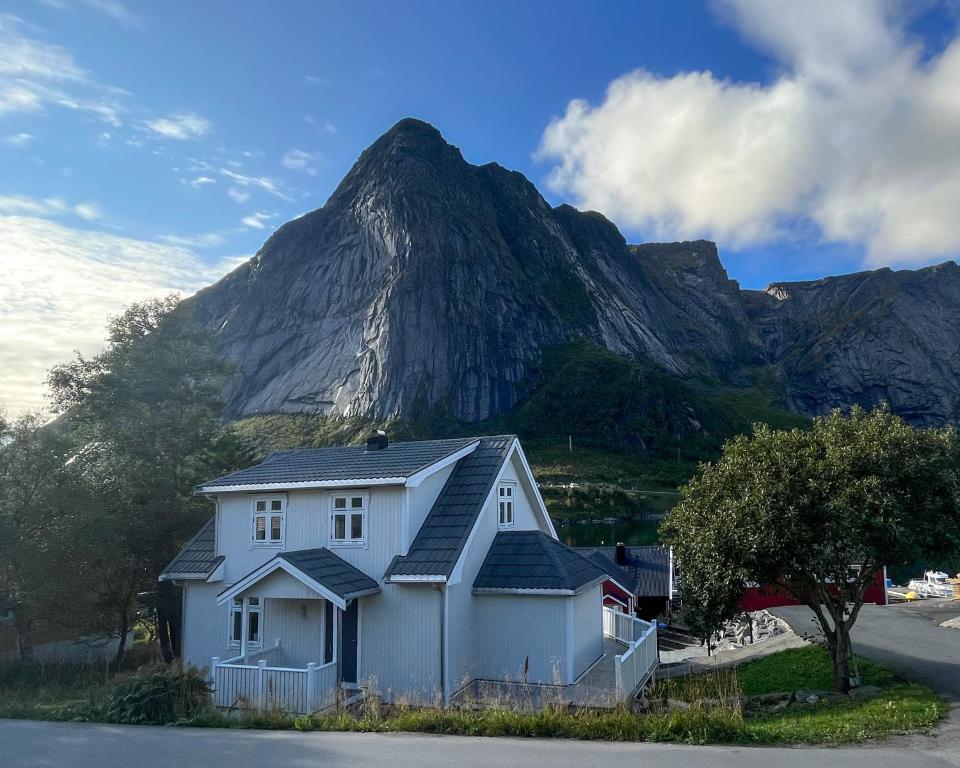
{"type": "Point", "coordinates": [377, 440]}
{"type": "Point", "coordinates": [621, 553]}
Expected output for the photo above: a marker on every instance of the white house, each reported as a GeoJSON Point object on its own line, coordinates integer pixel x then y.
{"type": "Point", "coordinates": [412, 568]}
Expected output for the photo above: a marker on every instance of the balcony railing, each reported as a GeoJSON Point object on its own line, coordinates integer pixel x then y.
{"type": "Point", "coordinates": [633, 668]}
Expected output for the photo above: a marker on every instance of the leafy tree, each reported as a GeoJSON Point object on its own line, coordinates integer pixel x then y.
{"type": "Point", "coordinates": [40, 490]}
{"type": "Point", "coordinates": [820, 512]}
{"type": "Point", "coordinates": [146, 413]}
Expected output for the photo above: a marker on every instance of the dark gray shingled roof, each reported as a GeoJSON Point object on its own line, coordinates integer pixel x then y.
{"type": "Point", "coordinates": [347, 462]}
{"type": "Point", "coordinates": [198, 558]}
{"type": "Point", "coordinates": [649, 565]}
{"type": "Point", "coordinates": [623, 577]}
{"type": "Point", "coordinates": [437, 546]}
{"type": "Point", "coordinates": [534, 560]}
{"type": "Point", "coordinates": [333, 572]}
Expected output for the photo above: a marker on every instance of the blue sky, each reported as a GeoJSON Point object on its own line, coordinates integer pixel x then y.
{"type": "Point", "coordinates": [148, 147]}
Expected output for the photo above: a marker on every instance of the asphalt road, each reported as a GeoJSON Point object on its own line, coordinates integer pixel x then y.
{"type": "Point", "coordinates": [81, 745]}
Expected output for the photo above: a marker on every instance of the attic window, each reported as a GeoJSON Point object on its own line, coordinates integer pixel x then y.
{"type": "Point", "coordinates": [505, 505]}
{"type": "Point", "coordinates": [268, 521]}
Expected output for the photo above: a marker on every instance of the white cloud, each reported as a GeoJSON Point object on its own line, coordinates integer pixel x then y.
{"type": "Point", "coordinates": [313, 81]}
{"type": "Point", "coordinates": [180, 126]}
{"type": "Point", "coordinates": [48, 207]}
{"type": "Point", "coordinates": [18, 139]}
{"type": "Point", "coordinates": [60, 286]}
{"type": "Point", "coordinates": [265, 183]}
{"type": "Point", "coordinates": [857, 136]}
{"type": "Point", "coordinates": [88, 211]}
{"type": "Point", "coordinates": [201, 181]}
{"type": "Point", "coordinates": [208, 240]}
{"type": "Point", "coordinates": [34, 74]}
{"type": "Point", "coordinates": [238, 195]}
{"type": "Point", "coordinates": [258, 220]}
{"type": "Point", "coordinates": [298, 160]}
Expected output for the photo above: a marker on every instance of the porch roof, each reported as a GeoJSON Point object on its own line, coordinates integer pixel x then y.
{"type": "Point", "coordinates": [198, 558]}
{"type": "Point", "coordinates": [330, 576]}
{"type": "Point", "coordinates": [532, 561]}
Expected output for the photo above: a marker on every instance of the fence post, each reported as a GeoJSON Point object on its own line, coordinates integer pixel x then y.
{"type": "Point", "coordinates": [618, 676]}
{"type": "Point", "coordinates": [261, 684]}
{"type": "Point", "coordinates": [312, 681]}
{"type": "Point", "coordinates": [213, 668]}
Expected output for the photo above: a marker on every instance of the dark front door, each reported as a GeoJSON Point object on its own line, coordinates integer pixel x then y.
{"type": "Point", "coordinates": [349, 647]}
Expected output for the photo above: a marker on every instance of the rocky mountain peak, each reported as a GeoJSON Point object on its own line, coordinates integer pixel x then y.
{"type": "Point", "coordinates": [428, 283]}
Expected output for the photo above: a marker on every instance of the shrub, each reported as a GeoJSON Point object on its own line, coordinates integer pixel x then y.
{"type": "Point", "coordinates": [158, 694]}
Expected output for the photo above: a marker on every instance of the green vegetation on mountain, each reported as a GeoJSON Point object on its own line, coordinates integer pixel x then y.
{"type": "Point", "coordinates": [632, 427]}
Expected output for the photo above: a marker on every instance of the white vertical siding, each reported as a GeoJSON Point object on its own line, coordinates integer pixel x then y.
{"type": "Point", "coordinates": [465, 621]}
{"type": "Point", "coordinates": [204, 625]}
{"type": "Point", "coordinates": [307, 527]}
{"type": "Point", "coordinates": [520, 627]}
{"type": "Point", "coordinates": [587, 632]}
{"type": "Point", "coordinates": [400, 641]}
{"type": "Point", "coordinates": [298, 624]}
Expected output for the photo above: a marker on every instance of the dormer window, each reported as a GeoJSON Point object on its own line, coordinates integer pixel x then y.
{"type": "Point", "coordinates": [348, 519]}
{"type": "Point", "coordinates": [505, 505]}
{"type": "Point", "coordinates": [269, 523]}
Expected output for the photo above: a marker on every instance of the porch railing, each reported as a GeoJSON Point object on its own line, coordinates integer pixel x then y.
{"type": "Point", "coordinates": [260, 687]}
{"type": "Point", "coordinates": [633, 668]}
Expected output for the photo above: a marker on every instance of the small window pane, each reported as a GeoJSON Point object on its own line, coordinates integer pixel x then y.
{"type": "Point", "coordinates": [253, 627]}
{"type": "Point", "coordinates": [509, 490]}
{"type": "Point", "coordinates": [237, 628]}
{"type": "Point", "coordinates": [503, 491]}
{"type": "Point", "coordinates": [261, 506]}
{"type": "Point", "coordinates": [275, 505]}
{"type": "Point", "coordinates": [260, 533]}
{"type": "Point", "coordinates": [356, 502]}
{"type": "Point", "coordinates": [339, 526]}
{"type": "Point", "coordinates": [238, 601]}
{"type": "Point", "coordinates": [254, 601]}
{"type": "Point", "coordinates": [275, 528]}
{"type": "Point", "coordinates": [356, 526]}
{"type": "Point", "coordinates": [340, 502]}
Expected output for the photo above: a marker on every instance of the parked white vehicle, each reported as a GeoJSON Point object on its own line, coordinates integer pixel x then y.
{"type": "Point", "coordinates": [933, 584]}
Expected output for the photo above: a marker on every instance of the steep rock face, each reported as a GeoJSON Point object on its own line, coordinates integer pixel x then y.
{"type": "Point", "coordinates": [427, 282]}
{"type": "Point", "coordinates": [866, 338]}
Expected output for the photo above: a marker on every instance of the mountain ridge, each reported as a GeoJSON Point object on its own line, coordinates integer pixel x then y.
{"type": "Point", "coordinates": [427, 283]}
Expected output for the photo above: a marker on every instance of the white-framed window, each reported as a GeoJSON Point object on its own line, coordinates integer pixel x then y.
{"type": "Point", "coordinates": [236, 620]}
{"type": "Point", "coordinates": [348, 518]}
{"type": "Point", "coordinates": [254, 611]}
{"type": "Point", "coordinates": [268, 520]}
{"type": "Point", "coordinates": [505, 505]}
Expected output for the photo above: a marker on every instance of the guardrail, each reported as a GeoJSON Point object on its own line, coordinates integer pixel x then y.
{"type": "Point", "coordinates": [633, 668]}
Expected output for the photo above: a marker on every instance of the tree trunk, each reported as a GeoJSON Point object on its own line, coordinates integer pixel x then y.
{"type": "Point", "coordinates": [841, 662]}
{"type": "Point", "coordinates": [24, 629]}
{"type": "Point", "coordinates": [166, 607]}
{"type": "Point", "coordinates": [122, 629]}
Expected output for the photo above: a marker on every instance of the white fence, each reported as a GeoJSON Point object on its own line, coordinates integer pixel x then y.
{"type": "Point", "coordinates": [633, 668]}
{"type": "Point", "coordinates": [261, 687]}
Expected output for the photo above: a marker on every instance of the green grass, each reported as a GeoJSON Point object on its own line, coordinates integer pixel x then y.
{"type": "Point", "coordinates": [30, 691]}
{"type": "Point", "coordinates": [803, 668]}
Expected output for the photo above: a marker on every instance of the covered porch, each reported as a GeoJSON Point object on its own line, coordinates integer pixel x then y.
{"type": "Point", "coordinates": [295, 625]}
